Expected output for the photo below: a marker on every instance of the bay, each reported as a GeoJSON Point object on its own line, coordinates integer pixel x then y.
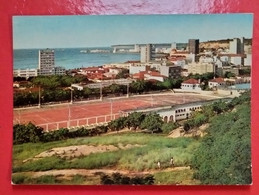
{"type": "Point", "coordinates": [71, 58]}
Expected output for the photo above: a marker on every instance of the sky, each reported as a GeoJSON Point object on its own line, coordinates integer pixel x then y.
{"type": "Point", "coordinates": [102, 31]}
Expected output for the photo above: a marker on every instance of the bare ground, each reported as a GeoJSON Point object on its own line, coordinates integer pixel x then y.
{"type": "Point", "coordinates": [80, 150]}
{"type": "Point", "coordinates": [66, 173]}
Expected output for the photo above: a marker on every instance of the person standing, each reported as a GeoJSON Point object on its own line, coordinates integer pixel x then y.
{"type": "Point", "coordinates": [172, 161]}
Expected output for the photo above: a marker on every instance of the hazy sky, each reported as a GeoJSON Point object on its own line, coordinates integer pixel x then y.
{"type": "Point", "coordinates": [96, 31]}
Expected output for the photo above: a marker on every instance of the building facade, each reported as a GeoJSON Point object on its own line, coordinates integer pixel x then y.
{"type": "Point", "coordinates": [171, 71]}
{"type": "Point", "coordinates": [25, 73]}
{"type": "Point", "coordinates": [236, 46]}
{"type": "Point", "coordinates": [191, 85]}
{"type": "Point", "coordinates": [200, 68]}
{"type": "Point", "coordinates": [46, 62]}
{"type": "Point", "coordinates": [146, 53]}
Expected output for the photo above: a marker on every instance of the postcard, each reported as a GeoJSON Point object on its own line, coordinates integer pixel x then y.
{"type": "Point", "coordinates": [132, 99]}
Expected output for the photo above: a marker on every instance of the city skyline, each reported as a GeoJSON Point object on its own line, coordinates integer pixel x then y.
{"type": "Point", "coordinates": [103, 31]}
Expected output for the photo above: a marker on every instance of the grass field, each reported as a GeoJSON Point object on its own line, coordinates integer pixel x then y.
{"type": "Point", "coordinates": [139, 160]}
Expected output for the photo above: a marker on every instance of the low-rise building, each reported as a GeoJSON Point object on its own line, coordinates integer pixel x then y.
{"type": "Point", "coordinates": [136, 68]}
{"type": "Point", "coordinates": [223, 70]}
{"type": "Point", "coordinates": [191, 85]}
{"type": "Point", "coordinates": [25, 73]}
{"type": "Point", "coordinates": [171, 71]}
{"type": "Point", "coordinates": [200, 67]}
{"type": "Point", "coordinates": [149, 75]}
{"type": "Point", "coordinates": [216, 82]}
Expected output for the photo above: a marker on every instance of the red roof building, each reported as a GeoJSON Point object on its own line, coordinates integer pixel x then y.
{"type": "Point", "coordinates": [191, 85]}
{"type": "Point", "coordinates": [191, 81]}
{"type": "Point", "coordinates": [216, 82]}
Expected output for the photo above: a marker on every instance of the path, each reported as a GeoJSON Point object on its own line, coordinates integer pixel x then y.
{"type": "Point", "coordinates": [89, 172]}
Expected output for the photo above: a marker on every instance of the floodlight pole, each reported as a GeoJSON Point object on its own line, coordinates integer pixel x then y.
{"type": "Point", "coordinates": [127, 90]}
{"type": "Point", "coordinates": [111, 109]}
{"type": "Point", "coordinates": [39, 105]}
{"type": "Point", "coordinates": [71, 98]}
{"type": "Point", "coordinates": [69, 116]}
{"type": "Point", "coordinates": [101, 92]}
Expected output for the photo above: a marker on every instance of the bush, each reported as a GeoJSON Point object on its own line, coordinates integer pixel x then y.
{"type": "Point", "coordinates": [27, 133]}
{"type": "Point", "coordinates": [168, 127]}
{"type": "Point", "coordinates": [117, 178]}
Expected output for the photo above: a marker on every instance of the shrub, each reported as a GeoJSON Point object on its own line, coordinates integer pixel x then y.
{"type": "Point", "coordinates": [117, 178]}
{"type": "Point", "coordinates": [27, 133]}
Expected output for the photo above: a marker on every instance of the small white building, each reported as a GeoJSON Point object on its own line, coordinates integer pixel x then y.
{"type": "Point", "coordinates": [216, 82]}
{"type": "Point", "coordinates": [191, 85]}
{"type": "Point", "coordinates": [136, 68]}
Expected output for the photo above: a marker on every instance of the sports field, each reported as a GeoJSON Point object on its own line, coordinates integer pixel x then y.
{"type": "Point", "coordinates": [82, 113]}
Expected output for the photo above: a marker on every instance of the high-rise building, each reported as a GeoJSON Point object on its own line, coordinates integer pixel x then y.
{"type": "Point", "coordinates": [146, 53]}
{"type": "Point", "coordinates": [236, 46]}
{"type": "Point", "coordinates": [193, 46]}
{"type": "Point", "coordinates": [46, 62]}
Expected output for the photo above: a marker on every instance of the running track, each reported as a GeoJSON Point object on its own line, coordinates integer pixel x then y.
{"type": "Point", "coordinates": [51, 114]}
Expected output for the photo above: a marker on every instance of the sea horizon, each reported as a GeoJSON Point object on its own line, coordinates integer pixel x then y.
{"type": "Point", "coordinates": [71, 58]}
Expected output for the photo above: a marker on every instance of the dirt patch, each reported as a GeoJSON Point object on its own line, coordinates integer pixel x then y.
{"type": "Point", "coordinates": [69, 173]}
{"type": "Point", "coordinates": [179, 132]}
{"type": "Point", "coordinates": [80, 150]}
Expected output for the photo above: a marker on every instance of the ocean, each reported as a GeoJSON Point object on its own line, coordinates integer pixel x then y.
{"type": "Point", "coordinates": [70, 58]}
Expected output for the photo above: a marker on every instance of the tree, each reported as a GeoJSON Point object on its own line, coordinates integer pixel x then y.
{"type": "Point", "coordinates": [114, 88]}
{"type": "Point", "coordinates": [224, 155]}
{"type": "Point", "coordinates": [152, 122]}
{"type": "Point", "coordinates": [229, 74]}
{"type": "Point", "coordinates": [117, 124]}
{"type": "Point", "coordinates": [137, 86]}
{"type": "Point", "coordinates": [135, 119]}
{"type": "Point", "coordinates": [27, 133]}
{"type": "Point", "coordinates": [123, 74]}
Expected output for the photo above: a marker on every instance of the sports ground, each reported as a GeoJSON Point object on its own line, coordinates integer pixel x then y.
{"type": "Point", "coordinates": [93, 112]}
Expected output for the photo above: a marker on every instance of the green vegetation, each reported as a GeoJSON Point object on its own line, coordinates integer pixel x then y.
{"type": "Point", "coordinates": [224, 156]}
{"type": "Point", "coordinates": [168, 127]}
{"type": "Point", "coordinates": [117, 178]}
{"type": "Point", "coordinates": [55, 81]}
{"type": "Point", "coordinates": [24, 133]}
{"type": "Point", "coordinates": [27, 133]}
{"type": "Point", "coordinates": [144, 156]}
{"type": "Point", "coordinates": [182, 177]}
{"type": "Point", "coordinates": [152, 122]}
{"type": "Point", "coordinates": [47, 179]}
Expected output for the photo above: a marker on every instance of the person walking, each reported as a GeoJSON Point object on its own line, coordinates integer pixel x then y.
{"type": "Point", "coordinates": [172, 161]}
{"type": "Point", "coordinates": [158, 165]}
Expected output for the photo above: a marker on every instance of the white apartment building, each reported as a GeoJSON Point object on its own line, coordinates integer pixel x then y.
{"type": "Point", "coordinates": [46, 62]}
{"type": "Point", "coordinates": [146, 53]}
{"type": "Point", "coordinates": [25, 73]}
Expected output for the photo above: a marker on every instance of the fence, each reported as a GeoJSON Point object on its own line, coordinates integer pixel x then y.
{"type": "Point", "coordinates": [81, 122]}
